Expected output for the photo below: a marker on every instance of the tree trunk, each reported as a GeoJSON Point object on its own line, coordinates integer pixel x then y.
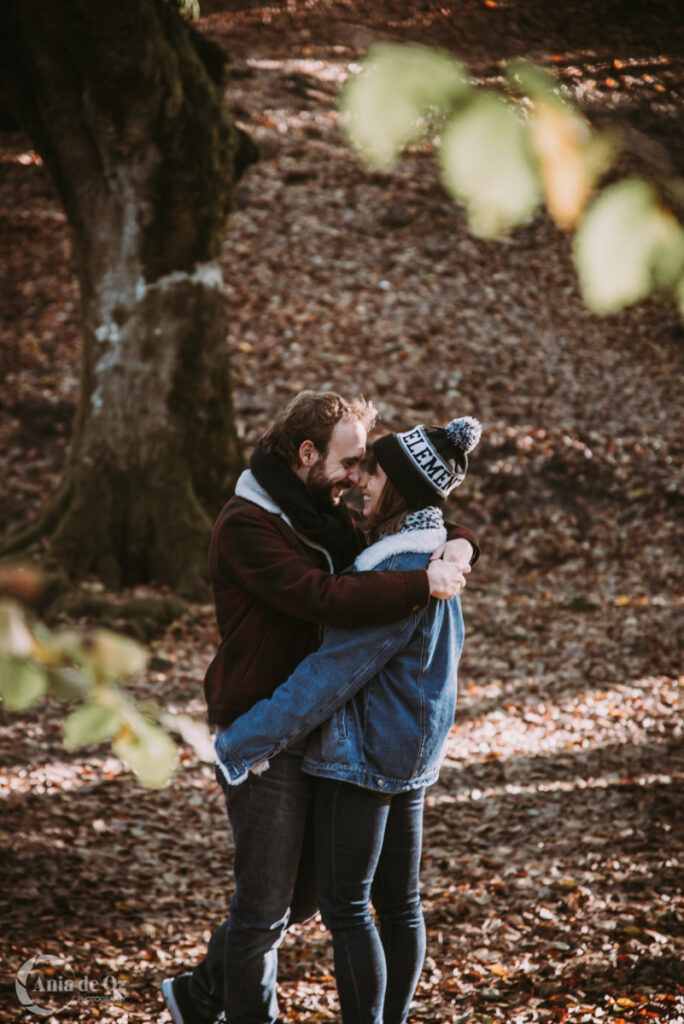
{"type": "Point", "coordinates": [125, 104]}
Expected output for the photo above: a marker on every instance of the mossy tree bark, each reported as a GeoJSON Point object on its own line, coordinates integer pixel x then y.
{"type": "Point", "coordinates": [125, 104]}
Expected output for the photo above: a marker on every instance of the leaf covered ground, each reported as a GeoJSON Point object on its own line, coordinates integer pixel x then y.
{"type": "Point", "coordinates": [554, 840]}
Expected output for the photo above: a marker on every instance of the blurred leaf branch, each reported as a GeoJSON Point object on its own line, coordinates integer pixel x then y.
{"type": "Point", "coordinates": [83, 668]}
{"type": "Point", "coordinates": [504, 154]}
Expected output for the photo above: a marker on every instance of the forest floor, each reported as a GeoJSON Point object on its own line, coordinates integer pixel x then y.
{"type": "Point", "coordinates": [553, 870]}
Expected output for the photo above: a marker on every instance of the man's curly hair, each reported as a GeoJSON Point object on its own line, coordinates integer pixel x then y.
{"type": "Point", "coordinates": [312, 416]}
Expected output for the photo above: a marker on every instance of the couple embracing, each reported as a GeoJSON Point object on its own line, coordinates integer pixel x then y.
{"type": "Point", "coordinates": [332, 693]}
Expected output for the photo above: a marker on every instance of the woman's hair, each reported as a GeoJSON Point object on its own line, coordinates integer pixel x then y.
{"type": "Point", "coordinates": [391, 511]}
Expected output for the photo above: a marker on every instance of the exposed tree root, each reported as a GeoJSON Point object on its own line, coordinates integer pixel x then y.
{"type": "Point", "coordinates": [24, 539]}
{"type": "Point", "coordinates": [140, 617]}
{"type": "Point", "coordinates": [152, 531]}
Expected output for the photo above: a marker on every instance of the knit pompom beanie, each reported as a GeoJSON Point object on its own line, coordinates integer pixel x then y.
{"type": "Point", "coordinates": [426, 463]}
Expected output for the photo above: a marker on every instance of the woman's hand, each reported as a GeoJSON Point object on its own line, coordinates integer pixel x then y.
{"type": "Point", "coordinates": [459, 552]}
{"type": "Point", "coordinates": [446, 578]}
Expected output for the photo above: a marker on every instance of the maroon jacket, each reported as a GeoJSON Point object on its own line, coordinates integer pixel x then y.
{"type": "Point", "coordinates": [273, 591]}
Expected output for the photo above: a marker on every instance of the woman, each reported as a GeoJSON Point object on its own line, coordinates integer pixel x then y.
{"type": "Point", "coordinates": [386, 696]}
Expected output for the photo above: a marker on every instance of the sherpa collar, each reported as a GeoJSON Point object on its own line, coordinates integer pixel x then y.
{"type": "Point", "coordinates": [421, 532]}
{"type": "Point", "coordinates": [249, 488]}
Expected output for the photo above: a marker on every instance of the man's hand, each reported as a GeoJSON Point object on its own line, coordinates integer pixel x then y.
{"type": "Point", "coordinates": [458, 552]}
{"type": "Point", "coordinates": [446, 579]}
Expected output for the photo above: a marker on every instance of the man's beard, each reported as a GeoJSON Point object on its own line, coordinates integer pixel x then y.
{"type": "Point", "coordinates": [324, 492]}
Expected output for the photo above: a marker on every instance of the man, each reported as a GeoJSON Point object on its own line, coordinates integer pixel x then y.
{"type": "Point", "coordinates": [277, 550]}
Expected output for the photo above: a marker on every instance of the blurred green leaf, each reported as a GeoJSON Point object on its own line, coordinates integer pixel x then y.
{"type": "Point", "coordinates": [149, 751]}
{"type": "Point", "coordinates": [113, 656]}
{"type": "Point", "coordinates": [150, 709]}
{"type": "Point", "coordinates": [486, 164]}
{"type": "Point", "coordinates": [625, 245]}
{"type": "Point", "coordinates": [532, 80]}
{"type": "Point", "coordinates": [69, 683]}
{"type": "Point", "coordinates": [90, 724]}
{"type": "Point", "coordinates": [15, 636]}
{"type": "Point", "coordinates": [61, 646]}
{"type": "Point", "coordinates": [22, 683]}
{"type": "Point", "coordinates": [396, 88]}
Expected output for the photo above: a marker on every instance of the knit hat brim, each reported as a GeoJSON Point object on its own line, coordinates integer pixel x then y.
{"type": "Point", "coordinates": [415, 468]}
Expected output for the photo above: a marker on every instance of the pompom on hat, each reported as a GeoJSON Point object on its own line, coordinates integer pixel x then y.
{"type": "Point", "coordinates": [426, 463]}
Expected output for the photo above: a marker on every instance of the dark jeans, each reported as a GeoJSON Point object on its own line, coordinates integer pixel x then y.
{"type": "Point", "coordinates": [368, 848]}
{"type": "Point", "coordinates": [270, 815]}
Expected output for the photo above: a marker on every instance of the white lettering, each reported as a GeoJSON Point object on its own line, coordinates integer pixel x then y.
{"type": "Point", "coordinates": [426, 458]}
{"type": "Point", "coordinates": [417, 445]}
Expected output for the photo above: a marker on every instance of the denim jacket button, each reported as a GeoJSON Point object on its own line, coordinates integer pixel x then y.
{"type": "Point", "coordinates": [381, 783]}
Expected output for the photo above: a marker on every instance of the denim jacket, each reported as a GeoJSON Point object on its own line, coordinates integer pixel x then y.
{"type": "Point", "coordinates": [384, 696]}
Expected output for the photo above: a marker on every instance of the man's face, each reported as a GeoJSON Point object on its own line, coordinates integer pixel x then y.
{"type": "Point", "coordinates": [329, 476]}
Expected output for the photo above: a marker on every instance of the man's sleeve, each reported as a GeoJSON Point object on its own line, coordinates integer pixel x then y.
{"type": "Point", "coordinates": [321, 684]}
{"type": "Point", "coordinates": [253, 553]}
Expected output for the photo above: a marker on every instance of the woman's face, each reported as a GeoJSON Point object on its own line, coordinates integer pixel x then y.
{"type": "Point", "coordinates": [372, 487]}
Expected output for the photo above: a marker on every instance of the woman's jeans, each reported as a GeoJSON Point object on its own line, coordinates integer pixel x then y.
{"type": "Point", "coordinates": [368, 847]}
